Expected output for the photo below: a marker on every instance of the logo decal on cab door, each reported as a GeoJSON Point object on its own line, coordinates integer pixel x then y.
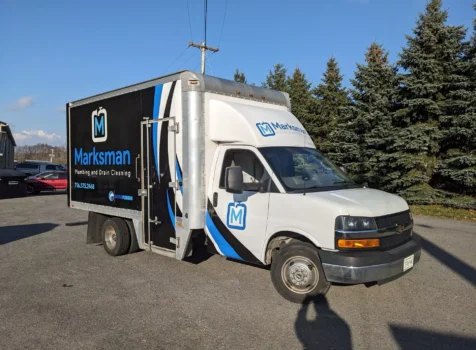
{"type": "Point", "coordinates": [236, 216]}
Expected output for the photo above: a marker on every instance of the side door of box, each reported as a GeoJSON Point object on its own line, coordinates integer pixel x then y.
{"type": "Point", "coordinates": [159, 185]}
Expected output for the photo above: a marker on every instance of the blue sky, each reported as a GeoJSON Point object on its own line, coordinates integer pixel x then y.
{"type": "Point", "coordinates": [56, 51]}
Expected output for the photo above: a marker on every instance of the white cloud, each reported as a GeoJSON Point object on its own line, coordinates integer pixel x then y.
{"type": "Point", "coordinates": [23, 102]}
{"type": "Point", "coordinates": [60, 109]}
{"type": "Point", "coordinates": [36, 136]}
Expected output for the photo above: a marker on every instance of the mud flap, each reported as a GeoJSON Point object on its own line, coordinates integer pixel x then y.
{"type": "Point", "coordinates": [95, 222]}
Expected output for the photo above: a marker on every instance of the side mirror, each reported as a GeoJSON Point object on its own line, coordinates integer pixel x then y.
{"type": "Point", "coordinates": [234, 179]}
{"type": "Point", "coordinates": [344, 170]}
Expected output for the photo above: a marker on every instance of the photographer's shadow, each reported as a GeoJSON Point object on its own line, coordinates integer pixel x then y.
{"type": "Point", "coordinates": [325, 330]}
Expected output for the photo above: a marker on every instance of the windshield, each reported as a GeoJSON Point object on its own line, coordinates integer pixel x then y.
{"type": "Point", "coordinates": [302, 169]}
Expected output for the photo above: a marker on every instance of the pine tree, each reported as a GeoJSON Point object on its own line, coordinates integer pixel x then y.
{"type": "Point", "coordinates": [276, 79]}
{"type": "Point", "coordinates": [331, 97]}
{"type": "Point", "coordinates": [458, 167]}
{"type": "Point", "coordinates": [426, 86]}
{"type": "Point", "coordinates": [363, 134]}
{"type": "Point", "coordinates": [301, 100]}
{"type": "Point", "coordinates": [239, 76]}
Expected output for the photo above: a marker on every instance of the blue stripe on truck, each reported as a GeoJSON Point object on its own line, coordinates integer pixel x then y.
{"type": "Point", "coordinates": [155, 115]}
{"type": "Point", "coordinates": [179, 174]}
{"type": "Point", "coordinates": [169, 207]}
{"type": "Point", "coordinates": [223, 245]}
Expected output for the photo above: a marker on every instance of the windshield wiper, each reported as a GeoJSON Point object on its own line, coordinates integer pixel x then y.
{"type": "Point", "coordinates": [342, 182]}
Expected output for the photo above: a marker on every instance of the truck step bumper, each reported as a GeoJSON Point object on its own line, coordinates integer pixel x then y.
{"type": "Point", "coordinates": [368, 266]}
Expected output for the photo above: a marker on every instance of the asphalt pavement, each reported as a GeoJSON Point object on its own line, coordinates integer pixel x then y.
{"type": "Point", "coordinates": [56, 292]}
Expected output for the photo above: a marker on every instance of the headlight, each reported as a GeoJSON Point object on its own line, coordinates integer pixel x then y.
{"type": "Point", "coordinates": [355, 223]}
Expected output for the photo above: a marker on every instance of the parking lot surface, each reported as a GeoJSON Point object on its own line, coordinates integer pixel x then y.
{"type": "Point", "coordinates": [56, 292]}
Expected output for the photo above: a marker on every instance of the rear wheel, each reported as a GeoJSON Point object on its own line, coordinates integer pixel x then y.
{"type": "Point", "coordinates": [134, 246]}
{"type": "Point", "coordinates": [115, 236]}
{"type": "Point", "coordinates": [297, 273]}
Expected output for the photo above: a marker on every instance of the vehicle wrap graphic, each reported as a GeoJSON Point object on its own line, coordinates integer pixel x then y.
{"type": "Point", "coordinates": [224, 239]}
{"type": "Point", "coordinates": [105, 152]}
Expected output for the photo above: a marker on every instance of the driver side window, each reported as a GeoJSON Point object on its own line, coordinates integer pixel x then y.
{"type": "Point", "coordinates": [255, 176]}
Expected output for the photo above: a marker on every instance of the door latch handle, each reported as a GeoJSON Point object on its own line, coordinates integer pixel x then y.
{"type": "Point", "coordinates": [215, 199]}
{"type": "Point", "coordinates": [155, 221]}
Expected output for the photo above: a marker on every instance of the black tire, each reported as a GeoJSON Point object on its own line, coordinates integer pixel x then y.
{"type": "Point", "coordinates": [134, 246]}
{"type": "Point", "coordinates": [115, 235]}
{"type": "Point", "coordinates": [30, 189]}
{"type": "Point", "coordinates": [305, 259]}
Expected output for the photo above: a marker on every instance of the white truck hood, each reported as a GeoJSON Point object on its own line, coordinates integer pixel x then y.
{"type": "Point", "coordinates": [361, 201]}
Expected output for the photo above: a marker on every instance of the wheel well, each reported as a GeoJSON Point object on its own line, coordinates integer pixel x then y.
{"type": "Point", "coordinates": [280, 239]}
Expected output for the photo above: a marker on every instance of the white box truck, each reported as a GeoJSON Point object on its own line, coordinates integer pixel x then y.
{"type": "Point", "coordinates": [189, 159]}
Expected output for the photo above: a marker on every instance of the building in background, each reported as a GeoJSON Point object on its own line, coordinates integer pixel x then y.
{"type": "Point", "coordinates": [7, 147]}
{"type": "Point", "coordinates": [12, 182]}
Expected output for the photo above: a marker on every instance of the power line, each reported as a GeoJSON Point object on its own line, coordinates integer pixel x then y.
{"type": "Point", "coordinates": [223, 25]}
{"type": "Point", "coordinates": [206, 12]}
{"type": "Point", "coordinates": [166, 70]}
{"type": "Point", "coordinates": [190, 22]}
{"type": "Point", "coordinates": [210, 64]}
{"type": "Point", "coordinates": [188, 60]}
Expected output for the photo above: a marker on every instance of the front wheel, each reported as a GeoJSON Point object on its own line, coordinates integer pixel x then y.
{"type": "Point", "coordinates": [297, 273]}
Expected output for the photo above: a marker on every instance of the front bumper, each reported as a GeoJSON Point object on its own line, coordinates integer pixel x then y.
{"type": "Point", "coordinates": [368, 266]}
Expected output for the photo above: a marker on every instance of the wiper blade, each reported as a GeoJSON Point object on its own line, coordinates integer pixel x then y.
{"type": "Point", "coordinates": [342, 182]}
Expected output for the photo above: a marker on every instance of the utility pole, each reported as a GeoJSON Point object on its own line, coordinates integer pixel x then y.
{"type": "Point", "coordinates": [52, 154]}
{"type": "Point", "coordinates": [203, 47]}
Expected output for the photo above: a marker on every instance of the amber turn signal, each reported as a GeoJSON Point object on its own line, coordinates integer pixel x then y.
{"type": "Point", "coordinates": [358, 243]}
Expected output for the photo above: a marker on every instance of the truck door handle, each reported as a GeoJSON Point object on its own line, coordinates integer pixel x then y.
{"type": "Point", "coordinates": [215, 199]}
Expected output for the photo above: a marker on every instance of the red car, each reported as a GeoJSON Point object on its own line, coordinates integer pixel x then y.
{"type": "Point", "coordinates": [47, 181]}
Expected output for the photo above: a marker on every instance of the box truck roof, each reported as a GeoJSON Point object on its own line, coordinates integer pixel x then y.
{"type": "Point", "coordinates": [198, 82]}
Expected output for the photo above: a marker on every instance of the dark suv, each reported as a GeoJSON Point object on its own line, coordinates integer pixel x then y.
{"type": "Point", "coordinates": [32, 168]}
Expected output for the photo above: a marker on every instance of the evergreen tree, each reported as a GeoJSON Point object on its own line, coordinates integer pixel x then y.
{"type": "Point", "coordinates": [239, 76]}
{"type": "Point", "coordinates": [331, 97]}
{"type": "Point", "coordinates": [458, 167]}
{"type": "Point", "coordinates": [429, 61]}
{"type": "Point", "coordinates": [363, 134]}
{"type": "Point", "coordinates": [276, 79]}
{"type": "Point", "coordinates": [301, 100]}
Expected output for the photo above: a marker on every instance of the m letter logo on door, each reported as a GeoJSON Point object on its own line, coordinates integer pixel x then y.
{"type": "Point", "coordinates": [236, 216]}
{"type": "Point", "coordinates": [99, 125]}
{"type": "Point", "coordinates": [265, 129]}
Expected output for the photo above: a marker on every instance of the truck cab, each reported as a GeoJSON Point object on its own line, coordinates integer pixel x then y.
{"type": "Point", "coordinates": [274, 199]}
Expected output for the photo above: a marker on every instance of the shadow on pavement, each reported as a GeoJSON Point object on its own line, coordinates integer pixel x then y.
{"type": "Point", "coordinates": [76, 223]}
{"type": "Point", "coordinates": [409, 338]}
{"type": "Point", "coordinates": [458, 266]}
{"type": "Point", "coordinates": [48, 193]}
{"type": "Point", "coordinates": [424, 225]}
{"type": "Point", "coordinates": [325, 330]}
{"type": "Point", "coordinates": [14, 233]}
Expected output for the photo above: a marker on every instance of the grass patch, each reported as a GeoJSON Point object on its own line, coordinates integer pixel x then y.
{"type": "Point", "coordinates": [441, 211]}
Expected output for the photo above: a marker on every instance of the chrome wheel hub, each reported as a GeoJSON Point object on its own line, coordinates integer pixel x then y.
{"type": "Point", "coordinates": [110, 237]}
{"type": "Point", "coordinates": [300, 274]}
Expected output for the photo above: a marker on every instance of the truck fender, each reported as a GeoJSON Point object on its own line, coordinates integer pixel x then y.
{"type": "Point", "coordinates": [288, 233]}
